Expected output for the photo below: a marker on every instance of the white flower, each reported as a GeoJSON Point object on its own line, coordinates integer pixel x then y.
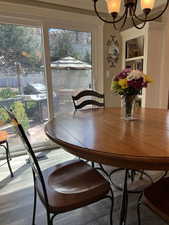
{"type": "Point", "coordinates": [130, 77]}
{"type": "Point", "coordinates": [134, 75]}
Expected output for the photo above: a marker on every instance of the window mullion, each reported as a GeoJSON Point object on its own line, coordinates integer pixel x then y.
{"type": "Point", "coordinates": [48, 73]}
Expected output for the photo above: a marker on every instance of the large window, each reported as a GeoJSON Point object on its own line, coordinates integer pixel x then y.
{"type": "Point", "coordinates": [70, 54]}
{"type": "Point", "coordinates": [41, 67]}
{"type": "Point", "coordinates": [22, 81]}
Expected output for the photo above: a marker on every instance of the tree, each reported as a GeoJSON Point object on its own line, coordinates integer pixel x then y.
{"type": "Point", "coordinates": [61, 44]}
{"type": "Point", "coordinates": [69, 43]}
{"type": "Point", "coordinates": [87, 57]}
{"type": "Point", "coordinates": [19, 44]}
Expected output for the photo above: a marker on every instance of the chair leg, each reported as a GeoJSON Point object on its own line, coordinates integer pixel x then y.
{"type": "Point", "coordinates": [141, 175]}
{"type": "Point", "coordinates": [138, 208]}
{"type": "Point", "coordinates": [49, 220]}
{"type": "Point", "coordinates": [9, 155]}
{"type": "Point", "coordinates": [111, 211]}
{"type": "Point", "coordinates": [124, 204]}
{"type": "Point", "coordinates": [112, 207]}
{"type": "Point", "coordinates": [8, 158]}
{"type": "Point", "coordinates": [34, 205]}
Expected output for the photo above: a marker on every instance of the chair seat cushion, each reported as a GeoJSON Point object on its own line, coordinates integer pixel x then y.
{"type": "Point", "coordinates": [3, 137]}
{"type": "Point", "coordinates": [71, 185]}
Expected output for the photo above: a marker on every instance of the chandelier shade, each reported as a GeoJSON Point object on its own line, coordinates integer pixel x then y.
{"type": "Point", "coordinates": [147, 4]}
{"type": "Point", "coordinates": [113, 6]}
{"type": "Point", "coordinates": [130, 8]}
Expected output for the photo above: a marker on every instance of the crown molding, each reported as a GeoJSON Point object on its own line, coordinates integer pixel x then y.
{"type": "Point", "coordinates": [43, 4]}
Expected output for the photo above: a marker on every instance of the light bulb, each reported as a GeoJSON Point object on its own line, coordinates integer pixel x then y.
{"type": "Point", "coordinates": [113, 6]}
{"type": "Point", "coordinates": [147, 4]}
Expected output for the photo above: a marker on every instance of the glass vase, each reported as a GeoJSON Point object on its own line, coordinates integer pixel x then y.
{"type": "Point", "coordinates": [128, 102]}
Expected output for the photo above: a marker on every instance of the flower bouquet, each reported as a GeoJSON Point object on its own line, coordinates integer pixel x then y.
{"type": "Point", "coordinates": [129, 84]}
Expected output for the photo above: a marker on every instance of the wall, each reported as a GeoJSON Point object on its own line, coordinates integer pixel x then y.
{"type": "Point", "coordinates": [158, 54]}
{"type": "Point", "coordinates": [164, 84]}
{"type": "Point", "coordinates": [111, 99]}
{"type": "Point", "coordinates": [154, 54]}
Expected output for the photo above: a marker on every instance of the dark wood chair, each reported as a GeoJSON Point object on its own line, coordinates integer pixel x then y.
{"type": "Point", "coordinates": [66, 186]}
{"type": "Point", "coordinates": [94, 99]}
{"type": "Point", "coordinates": [4, 144]}
{"type": "Point", "coordinates": [156, 198]}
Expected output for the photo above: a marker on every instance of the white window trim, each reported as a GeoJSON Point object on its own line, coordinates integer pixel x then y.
{"type": "Point", "coordinates": [46, 18]}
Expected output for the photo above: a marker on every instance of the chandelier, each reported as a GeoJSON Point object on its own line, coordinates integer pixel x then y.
{"type": "Point", "coordinates": [130, 7]}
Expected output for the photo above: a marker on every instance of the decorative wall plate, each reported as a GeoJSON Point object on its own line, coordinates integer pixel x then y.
{"type": "Point", "coordinates": [113, 51]}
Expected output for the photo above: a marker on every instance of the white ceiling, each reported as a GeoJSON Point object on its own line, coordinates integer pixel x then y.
{"type": "Point", "coordinates": [87, 4]}
{"type": "Point", "coordinates": [82, 4]}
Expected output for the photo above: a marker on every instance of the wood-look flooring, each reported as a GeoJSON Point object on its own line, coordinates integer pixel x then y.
{"type": "Point", "coordinates": [16, 199]}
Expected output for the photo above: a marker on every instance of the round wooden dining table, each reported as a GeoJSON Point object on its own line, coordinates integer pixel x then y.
{"type": "Point", "coordinates": [103, 136]}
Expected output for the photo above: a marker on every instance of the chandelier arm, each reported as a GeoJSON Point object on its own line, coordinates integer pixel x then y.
{"type": "Point", "coordinates": [108, 21]}
{"type": "Point", "coordinates": [135, 7]}
{"type": "Point", "coordinates": [154, 18]}
{"type": "Point", "coordinates": [136, 26]}
{"type": "Point", "coordinates": [134, 22]}
{"type": "Point", "coordinates": [125, 18]}
{"type": "Point", "coordinates": [124, 15]}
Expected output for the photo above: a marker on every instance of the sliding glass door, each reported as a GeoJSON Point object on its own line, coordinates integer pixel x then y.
{"type": "Point", "coordinates": [31, 87]}
{"type": "Point", "coordinates": [71, 66]}
{"type": "Point", "coordinates": [22, 81]}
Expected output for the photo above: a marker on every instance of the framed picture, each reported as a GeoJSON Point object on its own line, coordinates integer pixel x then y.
{"type": "Point", "coordinates": [135, 47]}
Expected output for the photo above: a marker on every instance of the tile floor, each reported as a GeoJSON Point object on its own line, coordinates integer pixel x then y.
{"type": "Point", "coordinates": [16, 199]}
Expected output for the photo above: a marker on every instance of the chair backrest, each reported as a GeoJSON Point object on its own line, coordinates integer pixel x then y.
{"type": "Point", "coordinates": [85, 102]}
{"type": "Point", "coordinates": [37, 174]}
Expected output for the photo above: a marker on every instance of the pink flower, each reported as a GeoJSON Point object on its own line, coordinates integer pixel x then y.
{"type": "Point", "coordinates": [124, 73]}
{"type": "Point", "coordinates": [136, 83]}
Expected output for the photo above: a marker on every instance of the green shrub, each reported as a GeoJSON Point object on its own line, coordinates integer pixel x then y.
{"type": "Point", "coordinates": [19, 111]}
{"type": "Point", "coordinates": [3, 116]}
{"type": "Point", "coordinates": [31, 109]}
{"type": "Point", "coordinates": [7, 93]}
{"type": "Point", "coordinates": [17, 108]}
